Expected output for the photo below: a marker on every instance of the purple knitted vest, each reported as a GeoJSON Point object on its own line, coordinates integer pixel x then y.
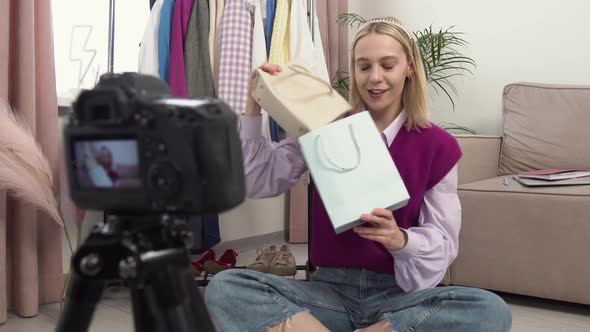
{"type": "Point", "coordinates": [422, 159]}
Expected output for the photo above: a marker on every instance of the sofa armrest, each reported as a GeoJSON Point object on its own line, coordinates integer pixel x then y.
{"type": "Point", "coordinates": [481, 155]}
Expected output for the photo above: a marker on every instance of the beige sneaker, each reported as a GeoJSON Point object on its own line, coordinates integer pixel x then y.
{"type": "Point", "coordinates": [283, 263]}
{"type": "Point", "coordinates": [264, 259]}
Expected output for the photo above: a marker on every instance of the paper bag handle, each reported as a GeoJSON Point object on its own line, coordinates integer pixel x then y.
{"type": "Point", "coordinates": [332, 165]}
{"type": "Point", "coordinates": [303, 70]}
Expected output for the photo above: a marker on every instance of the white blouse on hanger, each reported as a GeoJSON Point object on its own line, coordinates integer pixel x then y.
{"type": "Point", "coordinates": [302, 47]}
{"type": "Point", "coordinates": [148, 51]}
{"type": "Point", "coordinates": [259, 53]}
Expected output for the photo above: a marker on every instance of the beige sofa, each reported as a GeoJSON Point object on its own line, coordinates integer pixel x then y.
{"type": "Point", "coordinates": [517, 239]}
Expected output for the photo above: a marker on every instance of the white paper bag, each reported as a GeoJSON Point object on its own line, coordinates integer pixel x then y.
{"type": "Point", "coordinates": [352, 170]}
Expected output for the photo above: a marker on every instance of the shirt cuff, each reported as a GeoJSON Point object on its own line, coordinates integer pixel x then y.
{"type": "Point", "coordinates": [415, 242]}
{"type": "Point", "coordinates": [250, 126]}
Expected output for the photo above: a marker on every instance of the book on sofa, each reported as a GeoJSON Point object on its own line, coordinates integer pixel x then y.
{"type": "Point", "coordinates": [554, 174]}
{"type": "Point", "coordinates": [543, 183]}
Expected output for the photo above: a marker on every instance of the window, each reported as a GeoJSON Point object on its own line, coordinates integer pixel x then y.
{"type": "Point", "coordinates": [80, 29]}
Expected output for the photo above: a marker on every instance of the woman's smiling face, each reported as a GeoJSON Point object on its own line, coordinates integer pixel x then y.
{"type": "Point", "coordinates": [381, 68]}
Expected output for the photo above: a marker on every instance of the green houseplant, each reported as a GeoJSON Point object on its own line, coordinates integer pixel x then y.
{"type": "Point", "coordinates": [443, 57]}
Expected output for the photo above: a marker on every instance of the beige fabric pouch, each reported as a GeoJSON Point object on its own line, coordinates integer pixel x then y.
{"type": "Point", "coordinates": [298, 100]}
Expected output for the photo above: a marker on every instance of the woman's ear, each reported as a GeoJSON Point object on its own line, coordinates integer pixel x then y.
{"type": "Point", "coordinates": [410, 73]}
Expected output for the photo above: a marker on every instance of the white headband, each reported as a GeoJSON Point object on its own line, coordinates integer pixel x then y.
{"type": "Point", "coordinates": [390, 21]}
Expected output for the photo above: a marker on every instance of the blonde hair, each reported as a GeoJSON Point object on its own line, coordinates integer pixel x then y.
{"type": "Point", "coordinates": [415, 92]}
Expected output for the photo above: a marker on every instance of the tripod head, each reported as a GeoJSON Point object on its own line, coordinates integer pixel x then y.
{"type": "Point", "coordinates": [149, 254]}
{"type": "Point", "coordinates": [115, 247]}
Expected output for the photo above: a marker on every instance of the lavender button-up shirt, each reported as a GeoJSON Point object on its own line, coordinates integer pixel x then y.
{"type": "Point", "coordinates": [432, 246]}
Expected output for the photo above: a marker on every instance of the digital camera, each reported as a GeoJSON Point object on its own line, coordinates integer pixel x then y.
{"type": "Point", "coordinates": [131, 147]}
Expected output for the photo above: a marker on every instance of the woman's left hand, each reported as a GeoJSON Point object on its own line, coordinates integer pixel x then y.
{"type": "Point", "coordinates": [384, 230]}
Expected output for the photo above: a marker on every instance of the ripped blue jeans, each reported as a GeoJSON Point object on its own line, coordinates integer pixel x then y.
{"type": "Point", "coordinates": [345, 299]}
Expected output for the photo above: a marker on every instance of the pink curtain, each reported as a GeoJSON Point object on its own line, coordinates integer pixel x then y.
{"type": "Point", "coordinates": [334, 36]}
{"type": "Point", "coordinates": [335, 42]}
{"type": "Point", "coordinates": [30, 243]}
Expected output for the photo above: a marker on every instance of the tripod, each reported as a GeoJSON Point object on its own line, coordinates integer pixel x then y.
{"type": "Point", "coordinates": [149, 254]}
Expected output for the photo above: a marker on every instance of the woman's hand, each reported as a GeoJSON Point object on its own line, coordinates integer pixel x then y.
{"type": "Point", "coordinates": [252, 107]}
{"type": "Point", "coordinates": [384, 230]}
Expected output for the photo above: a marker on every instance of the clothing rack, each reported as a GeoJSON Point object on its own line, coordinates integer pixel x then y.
{"type": "Point", "coordinates": [308, 267]}
{"type": "Point", "coordinates": [310, 17]}
{"type": "Point", "coordinates": [111, 54]}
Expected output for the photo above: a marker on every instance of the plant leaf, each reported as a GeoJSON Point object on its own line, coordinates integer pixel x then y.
{"type": "Point", "coordinates": [350, 19]}
{"type": "Point", "coordinates": [445, 91]}
{"type": "Point", "coordinates": [454, 128]}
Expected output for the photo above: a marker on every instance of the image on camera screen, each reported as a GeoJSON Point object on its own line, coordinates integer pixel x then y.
{"type": "Point", "coordinates": [107, 164]}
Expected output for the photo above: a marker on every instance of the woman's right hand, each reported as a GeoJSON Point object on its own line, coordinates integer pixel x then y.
{"type": "Point", "coordinates": [252, 106]}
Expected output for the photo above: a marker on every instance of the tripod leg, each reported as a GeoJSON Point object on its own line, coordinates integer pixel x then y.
{"type": "Point", "coordinates": [84, 294]}
{"type": "Point", "coordinates": [143, 318]}
{"type": "Point", "coordinates": [172, 295]}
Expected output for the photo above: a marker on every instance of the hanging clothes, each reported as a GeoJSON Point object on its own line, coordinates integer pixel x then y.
{"type": "Point", "coordinates": [271, 6]}
{"type": "Point", "coordinates": [212, 33]}
{"type": "Point", "coordinates": [302, 47]}
{"type": "Point", "coordinates": [320, 55]}
{"type": "Point", "coordinates": [279, 45]}
{"type": "Point", "coordinates": [199, 77]}
{"type": "Point", "coordinates": [199, 83]}
{"type": "Point", "coordinates": [205, 228]}
{"type": "Point", "coordinates": [235, 44]}
{"type": "Point", "coordinates": [215, 13]}
{"type": "Point", "coordinates": [164, 30]}
{"type": "Point", "coordinates": [148, 51]}
{"type": "Point", "coordinates": [263, 11]}
{"type": "Point", "coordinates": [180, 20]}
{"type": "Point", "coordinates": [279, 49]}
{"type": "Point", "coordinates": [259, 55]}
{"type": "Point", "coordinates": [210, 234]}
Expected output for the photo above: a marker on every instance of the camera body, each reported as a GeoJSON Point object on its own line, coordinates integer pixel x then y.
{"type": "Point", "coordinates": [131, 147]}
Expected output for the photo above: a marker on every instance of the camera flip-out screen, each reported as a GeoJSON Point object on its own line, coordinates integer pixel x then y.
{"type": "Point", "coordinates": [107, 164]}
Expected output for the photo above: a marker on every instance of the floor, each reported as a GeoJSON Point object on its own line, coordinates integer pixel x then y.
{"type": "Point", "coordinates": [114, 312]}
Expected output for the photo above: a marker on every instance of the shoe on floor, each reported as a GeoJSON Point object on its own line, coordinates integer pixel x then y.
{"type": "Point", "coordinates": [264, 259]}
{"type": "Point", "coordinates": [199, 264]}
{"type": "Point", "coordinates": [226, 261]}
{"type": "Point", "coordinates": [283, 263]}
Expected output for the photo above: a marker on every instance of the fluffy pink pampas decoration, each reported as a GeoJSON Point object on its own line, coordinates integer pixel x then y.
{"type": "Point", "coordinates": [24, 171]}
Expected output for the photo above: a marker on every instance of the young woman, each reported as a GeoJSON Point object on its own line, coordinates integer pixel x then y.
{"type": "Point", "coordinates": [376, 278]}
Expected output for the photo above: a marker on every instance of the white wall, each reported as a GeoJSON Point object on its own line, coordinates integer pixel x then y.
{"type": "Point", "coordinates": [254, 217]}
{"type": "Point", "coordinates": [524, 40]}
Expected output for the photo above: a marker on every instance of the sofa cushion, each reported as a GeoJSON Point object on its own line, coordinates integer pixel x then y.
{"type": "Point", "coordinates": [531, 241]}
{"type": "Point", "coordinates": [545, 126]}
{"type": "Point", "coordinates": [480, 157]}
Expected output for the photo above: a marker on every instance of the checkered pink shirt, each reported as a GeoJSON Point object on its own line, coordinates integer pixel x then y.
{"type": "Point", "coordinates": [235, 44]}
